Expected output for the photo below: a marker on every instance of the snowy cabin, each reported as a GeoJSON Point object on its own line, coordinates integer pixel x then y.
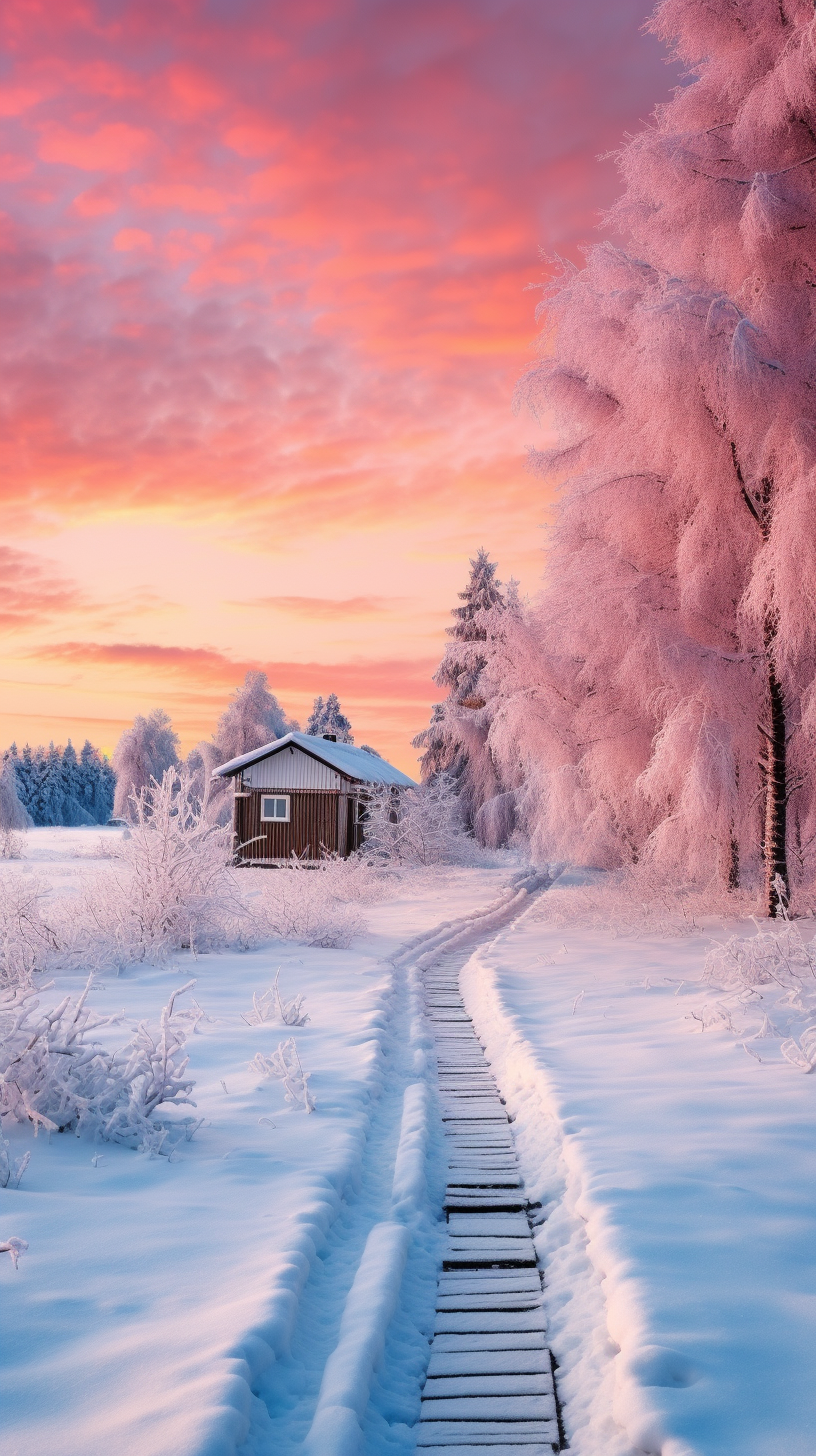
{"type": "Point", "coordinates": [300, 795]}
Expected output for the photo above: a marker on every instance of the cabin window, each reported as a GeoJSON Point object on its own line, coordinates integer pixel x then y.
{"type": "Point", "coordinates": [275, 808]}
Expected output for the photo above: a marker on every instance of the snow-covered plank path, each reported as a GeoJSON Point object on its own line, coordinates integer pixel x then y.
{"type": "Point", "coordinates": [490, 1381]}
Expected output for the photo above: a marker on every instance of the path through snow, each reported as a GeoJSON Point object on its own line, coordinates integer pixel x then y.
{"type": "Point", "coordinates": [351, 1380]}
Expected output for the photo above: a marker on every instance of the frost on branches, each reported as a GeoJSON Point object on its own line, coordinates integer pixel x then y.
{"type": "Point", "coordinates": [144, 752]}
{"type": "Point", "coordinates": [421, 826]}
{"type": "Point", "coordinates": [328, 717]}
{"type": "Point", "coordinates": [456, 742]}
{"type": "Point", "coordinates": [170, 887]}
{"type": "Point", "coordinates": [270, 1006]}
{"type": "Point", "coordinates": [672, 711]}
{"type": "Point", "coordinates": [55, 1074]}
{"type": "Point", "coordinates": [284, 1064]}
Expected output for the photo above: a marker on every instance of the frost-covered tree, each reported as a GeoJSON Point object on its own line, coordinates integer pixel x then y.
{"type": "Point", "coordinates": [56, 787]}
{"type": "Point", "coordinates": [677, 634]}
{"type": "Point", "coordinates": [328, 717]}
{"type": "Point", "coordinates": [253, 718]}
{"type": "Point", "coordinates": [13, 814]}
{"type": "Point", "coordinates": [144, 752]}
{"type": "Point", "coordinates": [455, 742]}
{"type": "Point", "coordinates": [97, 783]}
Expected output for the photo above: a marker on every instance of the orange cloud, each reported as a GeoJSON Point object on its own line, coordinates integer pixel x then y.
{"type": "Point", "coordinates": [32, 592]}
{"type": "Point", "coordinates": [325, 609]}
{"type": "Point", "coordinates": [407, 680]}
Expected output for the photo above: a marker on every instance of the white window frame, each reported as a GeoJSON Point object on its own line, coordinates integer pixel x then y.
{"type": "Point", "coordinates": [276, 818]}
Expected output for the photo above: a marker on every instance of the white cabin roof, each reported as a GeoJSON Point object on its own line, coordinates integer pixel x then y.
{"type": "Point", "coordinates": [353, 763]}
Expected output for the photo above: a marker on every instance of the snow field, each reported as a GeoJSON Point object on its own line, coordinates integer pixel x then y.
{"type": "Point", "coordinates": [156, 1299]}
{"type": "Point", "coordinates": [676, 1176]}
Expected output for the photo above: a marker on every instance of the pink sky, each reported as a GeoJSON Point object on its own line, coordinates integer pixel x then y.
{"type": "Point", "coordinates": [263, 274]}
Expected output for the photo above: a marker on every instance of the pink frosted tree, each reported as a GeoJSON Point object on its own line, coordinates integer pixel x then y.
{"type": "Point", "coordinates": [455, 742]}
{"type": "Point", "coordinates": [144, 752]}
{"type": "Point", "coordinates": [672, 708]}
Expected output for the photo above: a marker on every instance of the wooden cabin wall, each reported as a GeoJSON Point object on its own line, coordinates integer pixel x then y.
{"type": "Point", "coordinates": [314, 819]}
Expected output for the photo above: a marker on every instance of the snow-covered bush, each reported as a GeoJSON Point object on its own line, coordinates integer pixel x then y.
{"type": "Point", "coordinates": [28, 943]}
{"type": "Point", "coordinates": [170, 887]}
{"type": "Point", "coordinates": [638, 901]}
{"type": "Point", "coordinates": [271, 1007]}
{"type": "Point", "coordinates": [773, 971]}
{"type": "Point", "coordinates": [11, 1172]}
{"type": "Point", "coordinates": [356, 879]}
{"type": "Point", "coordinates": [13, 1247]}
{"type": "Point", "coordinates": [298, 902]}
{"type": "Point", "coordinates": [421, 826]}
{"type": "Point", "coordinates": [56, 1075]}
{"type": "Point", "coordinates": [284, 1064]}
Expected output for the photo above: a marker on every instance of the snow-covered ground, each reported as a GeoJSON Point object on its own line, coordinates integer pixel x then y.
{"type": "Point", "coordinates": [155, 1295]}
{"type": "Point", "coordinates": [678, 1169]}
{"type": "Point", "coordinates": [272, 1289]}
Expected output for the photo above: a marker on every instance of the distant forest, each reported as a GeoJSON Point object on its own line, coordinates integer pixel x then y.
{"type": "Point", "coordinates": [59, 786]}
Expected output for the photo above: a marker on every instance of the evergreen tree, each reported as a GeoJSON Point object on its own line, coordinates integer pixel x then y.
{"type": "Point", "coordinates": [13, 815]}
{"type": "Point", "coordinates": [328, 717]}
{"type": "Point", "coordinates": [74, 812]}
{"type": "Point", "coordinates": [51, 788]}
{"type": "Point", "coordinates": [456, 741]}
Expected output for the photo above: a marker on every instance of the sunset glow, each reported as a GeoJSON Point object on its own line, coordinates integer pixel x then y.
{"type": "Point", "coordinates": [264, 273]}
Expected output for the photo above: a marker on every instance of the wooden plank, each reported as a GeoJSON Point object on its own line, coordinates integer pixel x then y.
{"type": "Point", "coordinates": [504, 1225]}
{"type": "Point", "coordinates": [489, 1408]}
{"type": "Point", "coordinates": [489, 1279]}
{"type": "Point", "coordinates": [513, 1300]}
{"type": "Point", "coordinates": [489, 1362]}
{"type": "Point", "coordinates": [442, 1387]}
{"type": "Point", "coordinates": [484, 1433]}
{"type": "Point", "coordinates": [471, 1322]}
{"type": "Point", "coordinates": [451, 1342]}
{"type": "Point", "coordinates": [491, 1448]}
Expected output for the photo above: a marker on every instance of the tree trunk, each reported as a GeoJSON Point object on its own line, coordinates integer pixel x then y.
{"type": "Point", "coordinates": [774, 846]}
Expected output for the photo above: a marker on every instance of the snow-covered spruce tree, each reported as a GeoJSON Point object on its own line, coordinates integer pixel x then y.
{"type": "Point", "coordinates": [13, 814]}
{"type": "Point", "coordinates": [143, 753]}
{"type": "Point", "coordinates": [329, 717]}
{"type": "Point", "coordinates": [678, 624]}
{"type": "Point", "coordinates": [455, 742]}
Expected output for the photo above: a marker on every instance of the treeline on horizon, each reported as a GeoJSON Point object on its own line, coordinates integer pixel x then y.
{"type": "Point", "coordinates": [58, 786]}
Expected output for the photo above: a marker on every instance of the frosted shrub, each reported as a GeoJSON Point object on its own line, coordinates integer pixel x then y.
{"type": "Point", "coordinates": [14, 1248]}
{"type": "Point", "coordinates": [27, 941]}
{"type": "Point", "coordinates": [272, 1007]}
{"type": "Point", "coordinates": [354, 880]}
{"type": "Point", "coordinates": [776, 967]}
{"type": "Point", "coordinates": [11, 1173]}
{"type": "Point", "coordinates": [297, 902]}
{"type": "Point", "coordinates": [639, 901]}
{"type": "Point", "coordinates": [56, 1075]}
{"type": "Point", "coordinates": [171, 886]}
{"type": "Point", "coordinates": [421, 826]}
{"type": "Point", "coordinates": [285, 1066]}
{"type": "Point", "coordinates": [12, 844]}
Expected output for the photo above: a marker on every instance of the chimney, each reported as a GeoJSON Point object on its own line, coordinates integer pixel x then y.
{"type": "Point", "coordinates": [330, 737]}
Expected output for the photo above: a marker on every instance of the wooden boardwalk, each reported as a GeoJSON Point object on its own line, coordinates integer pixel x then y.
{"type": "Point", "coordinates": [489, 1390]}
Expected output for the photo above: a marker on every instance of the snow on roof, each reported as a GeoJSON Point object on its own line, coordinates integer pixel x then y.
{"type": "Point", "coordinates": [353, 762]}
